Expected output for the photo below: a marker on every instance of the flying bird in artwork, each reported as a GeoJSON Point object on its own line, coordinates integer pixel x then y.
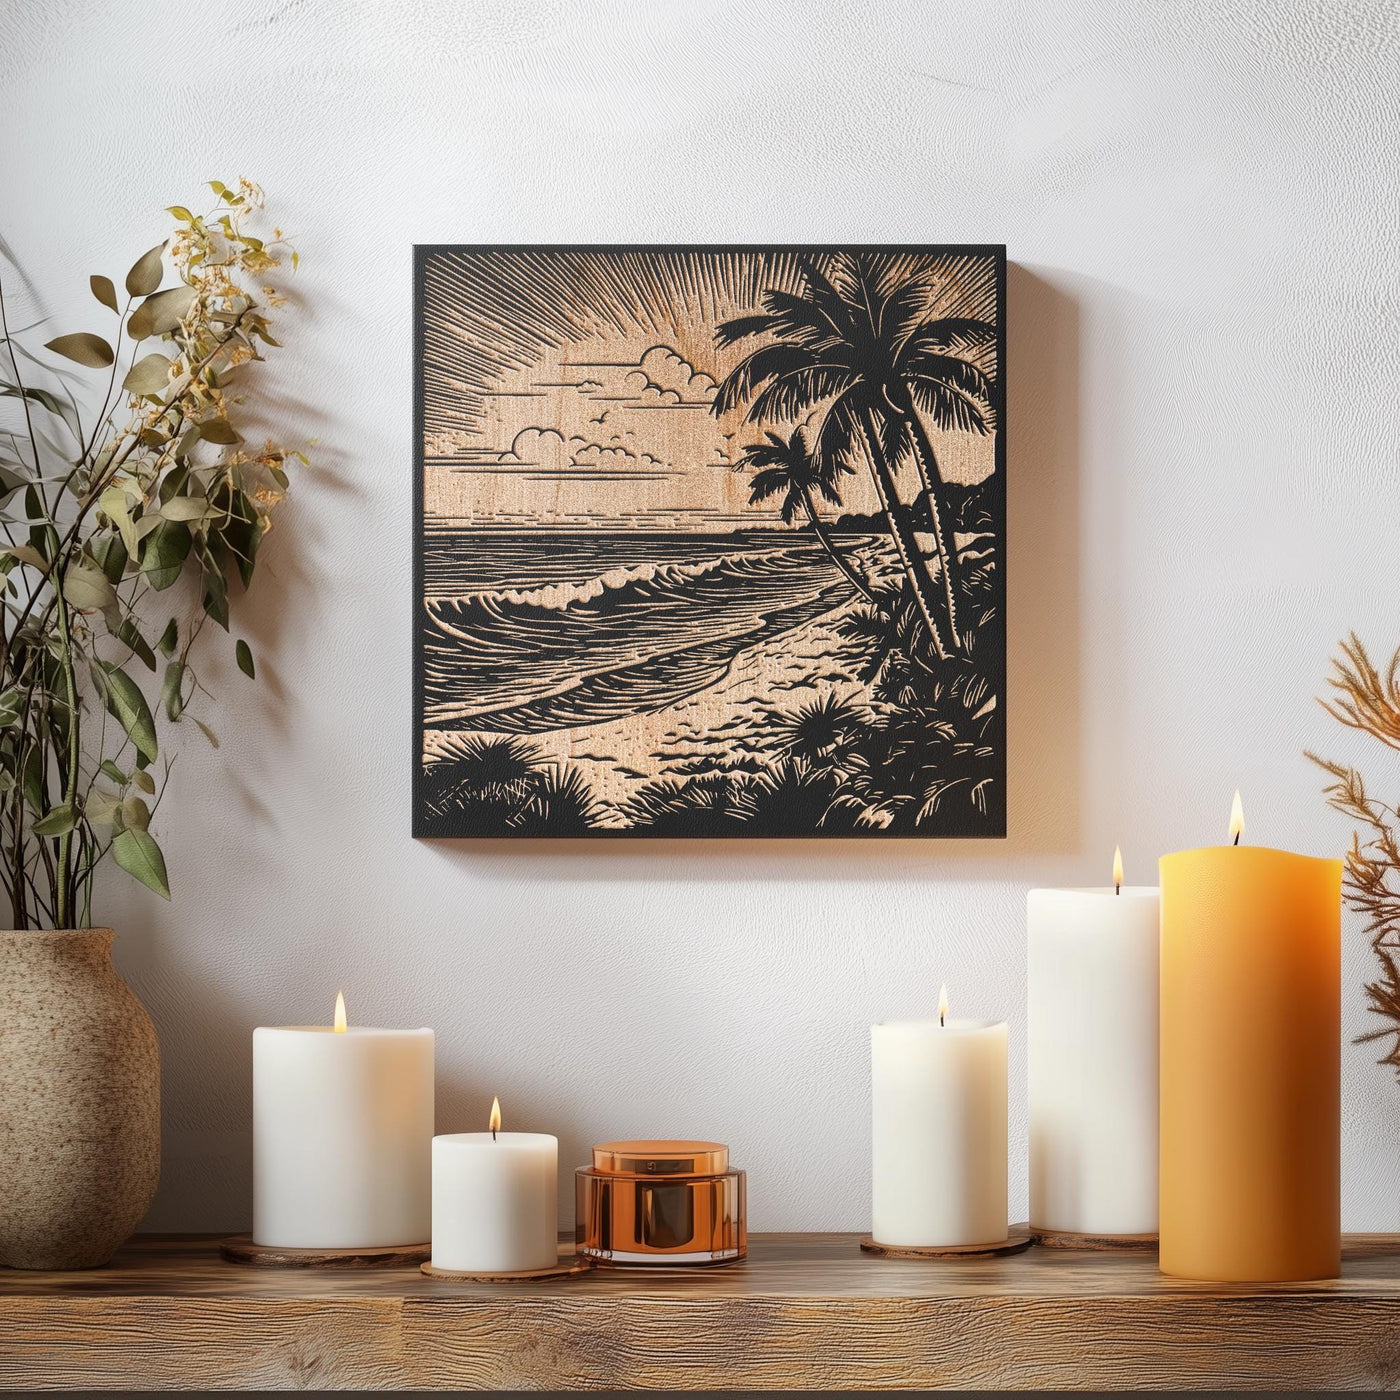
{"type": "Point", "coordinates": [601, 418]}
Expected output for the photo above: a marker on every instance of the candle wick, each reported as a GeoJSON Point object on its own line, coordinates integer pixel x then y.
{"type": "Point", "coordinates": [1117, 888]}
{"type": "Point", "coordinates": [940, 1018]}
{"type": "Point", "coordinates": [1237, 838]}
{"type": "Point", "coordinates": [493, 1135]}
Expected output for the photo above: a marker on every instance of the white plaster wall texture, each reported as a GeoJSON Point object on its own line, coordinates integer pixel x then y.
{"type": "Point", "coordinates": [1200, 204]}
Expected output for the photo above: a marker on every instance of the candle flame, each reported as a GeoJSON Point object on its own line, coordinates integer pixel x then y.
{"type": "Point", "coordinates": [340, 1012]}
{"type": "Point", "coordinates": [942, 1003]}
{"type": "Point", "coordinates": [1118, 868]}
{"type": "Point", "coordinates": [495, 1124]}
{"type": "Point", "coordinates": [1236, 819]}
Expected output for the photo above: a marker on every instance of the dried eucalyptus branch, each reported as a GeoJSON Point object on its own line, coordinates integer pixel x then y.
{"type": "Point", "coordinates": [1370, 702]}
{"type": "Point", "coordinates": [159, 488]}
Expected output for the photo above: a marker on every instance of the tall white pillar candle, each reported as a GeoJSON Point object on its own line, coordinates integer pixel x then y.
{"type": "Point", "coordinates": [939, 1132]}
{"type": "Point", "coordinates": [1093, 977]}
{"type": "Point", "coordinates": [495, 1201]}
{"type": "Point", "coordinates": [342, 1135]}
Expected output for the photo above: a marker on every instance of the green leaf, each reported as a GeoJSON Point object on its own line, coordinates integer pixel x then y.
{"type": "Point", "coordinates": [219, 431]}
{"type": "Point", "coordinates": [135, 813]}
{"type": "Point", "coordinates": [58, 822]}
{"type": "Point", "coordinates": [27, 555]}
{"type": "Point", "coordinates": [180, 212]}
{"type": "Point", "coordinates": [216, 597]}
{"type": "Point", "coordinates": [130, 634]}
{"type": "Point", "coordinates": [128, 707]}
{"type": "Point", "coordinates": [245, 659]}
{"type": "Point", "coordinates": [111, 555]}
{"type": "Point", "coordinates": [146, 273]}
{"type": "Point", "coordinates": [149, 375]}
{"type": "Point", "coordinates": [169, 639]}
{"type": "Point", "coordinates": [88, 590]}
{"type": "Point", "coordinates": [160, 313]}
{"type": "Point", "coordinates": [116, 506]}
{"type": "Point", "coordinates": [137, 853]}
{"type": "Point", "coordinates": [208, 733]}
{"type": "Point", "coordinates": [104, 291]}
{"type": "Point", "coordinates": [144, 781]}
{"type": "Point", "coordinates": [85, 348]}
{"type": "Point", "coordinates": [114, 773]}
{"type": "Point", "coordinates": [170, 695]}
{"type": "Point", "coordinates": [186, 508]}
{"type": "Point", "coordinates": [164, 552]}
{"type": "Point", "coordinates": [11, 707]}
{"type": "Point", "coordinates": [31, 779]}
{"type": "Point", "coordinates": [103, 808]}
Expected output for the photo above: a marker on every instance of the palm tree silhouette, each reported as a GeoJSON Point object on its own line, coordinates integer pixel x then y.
{"type": "Point", "coordinates": [861, 343]}
{"type": "Point", "coordinates": [789, 467]}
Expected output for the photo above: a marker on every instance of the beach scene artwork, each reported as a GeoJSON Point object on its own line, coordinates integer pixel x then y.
{"type": "Point", "coordinates": [710, 542]}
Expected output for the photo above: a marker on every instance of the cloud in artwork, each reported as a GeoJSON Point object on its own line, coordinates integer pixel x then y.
{"type": "Point", "coordinates": [549, 450]}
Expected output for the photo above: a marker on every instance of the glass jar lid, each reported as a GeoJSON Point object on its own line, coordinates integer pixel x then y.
{"type": "Point", "coordinates": [662, 1157]}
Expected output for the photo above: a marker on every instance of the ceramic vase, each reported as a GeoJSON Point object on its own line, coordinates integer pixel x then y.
{"type": "Point", "coordinates": [79, 1101]}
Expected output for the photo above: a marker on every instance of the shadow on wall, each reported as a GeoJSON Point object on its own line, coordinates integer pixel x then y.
{"type": "Point", "coordinates": [1043, 643]}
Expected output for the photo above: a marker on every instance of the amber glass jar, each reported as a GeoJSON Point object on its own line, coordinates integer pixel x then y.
{"type": "Point", "coordinates": [660, 1203]}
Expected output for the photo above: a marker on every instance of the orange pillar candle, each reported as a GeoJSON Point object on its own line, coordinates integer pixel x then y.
{"type": "Point", "coordinates": [1250, 1064]}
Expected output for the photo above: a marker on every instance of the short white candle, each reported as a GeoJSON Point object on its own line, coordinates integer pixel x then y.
{"type": "Point", "coordinates": [939, 1132]}
{"type": "Point", "coordinates": [342, 1134]}
{"type": "Point", "coordinates": [495, 1201]}
{"type": "Point", "coordinates": [1092, 963]}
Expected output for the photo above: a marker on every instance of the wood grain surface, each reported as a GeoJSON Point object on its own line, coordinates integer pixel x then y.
{"type": "Point", "coordinates": [803, 1312]}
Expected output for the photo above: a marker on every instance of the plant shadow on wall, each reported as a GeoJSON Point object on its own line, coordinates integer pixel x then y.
{"type": "Point", "coordinates": [823, 737]}
{"type": "Point", "coordinates": [113, 490]}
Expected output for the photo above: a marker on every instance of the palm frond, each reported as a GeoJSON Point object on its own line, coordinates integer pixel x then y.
{"type": "Point", "coordinates": [949, 409]}
{"type": "Point", "coordinates": [798, 391]}
{"type": "Point", "coordinates": [755, 370]}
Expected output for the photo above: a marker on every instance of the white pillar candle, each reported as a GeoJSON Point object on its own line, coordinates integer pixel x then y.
{"type": "Point", "coordinates": [1092, 981]}
{"type": "Point", "coordinates": [495, 1201]}
{"type": "Point", "coordinates": [342, 1134]}
{"type": "Point", "coordinates": [939, 1132]}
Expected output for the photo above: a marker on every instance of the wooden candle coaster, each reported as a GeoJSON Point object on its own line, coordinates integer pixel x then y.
{"type": "Point", "coordinates": [1018, 1237]}
{"type": "Point", "coordinates": [240, 1249]}
{"type": "Point", "coordinates": [569, 1264]}
{"type": "Point", "coordinates": [1071, 1239]}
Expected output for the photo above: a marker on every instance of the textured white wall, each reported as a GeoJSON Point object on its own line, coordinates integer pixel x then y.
{"type": "Point", "coordinates": [1200, 205]}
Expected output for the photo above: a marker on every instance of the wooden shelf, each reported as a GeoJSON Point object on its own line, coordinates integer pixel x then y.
{"type": "Point", "coordinates": [804, 1312]}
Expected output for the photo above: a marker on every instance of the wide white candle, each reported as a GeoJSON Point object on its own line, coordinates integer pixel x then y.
{"type": "Point", "coordinates": [939, 1131]}
{"type": "Point", "coordinates": [1093, 977]}
{"type": "Point", "coordinates": [495, 1201]}
{"type": "Point", "coordinates": [342, 1134]}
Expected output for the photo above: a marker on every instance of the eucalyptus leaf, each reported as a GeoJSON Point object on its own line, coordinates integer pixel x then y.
{"type": "Point", "coordinates": [245, 659]}
{"type": "Point", "coordinates": [110, 553]}
{"type": "Point", "coordinates": [58, 822]}
{"type": "Point", "coordinates": [163, 553]}
{"type": "Point", "coordinates": [169, 639]}
{"type": "Point", "coordinates": [88, 590]}
{"type": "Point", "coordinates": [146, 273]}
{"type": "Point", "coordinates": [129, 708]}
{"type": "Point", "coordinates": [186, 508]}
{"type": "Point", "coordinates": [219, 431]}
{"type": "Point", "coordinates": [114, 773]}
{"type": "Point", "coordinates": [149, 375]}
{"type": "Point", "coordinates": [129, 633]}
{"type": "Point", "coordinates": [208, 733]}
{"type": "Point", "coordinates": [11, 707]}
{"type": "Point", "coordinates": [161, 313]}
{"type": "Point", "coordinates": [84, 348]}
{"type": "Point", "coordinates": [103, 808]}
{"type": "Point", "coordinates": [170, 694]}
{"type": "Point", "coordinates": [104, 291]}
{"type": "Point", "coordinates": [137, 853]}
{"type": "Point", "coordinates": [26, 554]}
{"type": "Point", "coordinates": [144, 781]}
{"type": "Point", "coordinates": [135, 813]}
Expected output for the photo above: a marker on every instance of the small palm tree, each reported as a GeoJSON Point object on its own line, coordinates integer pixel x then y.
{"type": "Point", "coordinates": [788, 467]}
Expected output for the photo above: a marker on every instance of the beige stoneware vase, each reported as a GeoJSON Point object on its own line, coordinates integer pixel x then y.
{"type": "Point", "coordinates": [79, 1101]}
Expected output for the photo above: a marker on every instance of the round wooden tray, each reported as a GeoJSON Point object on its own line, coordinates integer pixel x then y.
{"type": "Point", "coordinates": [1071, 1239]}
{"type": "Point", "coordinates": [569, 1264]}
{"type": "Point", "coordinates": [240, 1249]}
{"type": "Point", "coordinates": [1018, 1237]}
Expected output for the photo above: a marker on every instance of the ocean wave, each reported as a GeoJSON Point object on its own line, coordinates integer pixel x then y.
{"type": "Point", "coordinates": [558, 597]}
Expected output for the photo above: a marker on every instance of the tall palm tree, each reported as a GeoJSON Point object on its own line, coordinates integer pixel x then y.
{"type": "Point", "coordinates": [789, 467]}
{"type": "Point", "coordinates": [862, 344]}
